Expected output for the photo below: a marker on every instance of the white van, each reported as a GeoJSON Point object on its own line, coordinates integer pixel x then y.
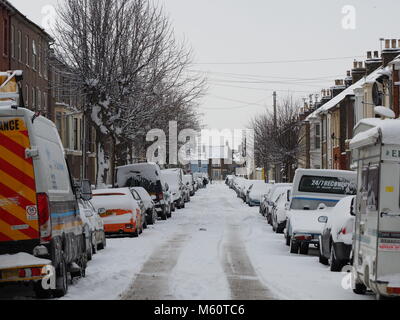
{"type": "Point", "coordinates": [376, 244]}
{"type": "Point", "coordinates": [314, 193]}
{"type": "Point", "coordinates": [39, 213]}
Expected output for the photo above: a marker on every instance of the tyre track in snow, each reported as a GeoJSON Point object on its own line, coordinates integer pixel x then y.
{"type": "Point", "coordinates": [152, 283]}
{"type": "Point", "coordinates": [243, 280]}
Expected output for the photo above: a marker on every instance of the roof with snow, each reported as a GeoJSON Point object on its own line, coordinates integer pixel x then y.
{"type": "Point", "coordinates": [348, 92]}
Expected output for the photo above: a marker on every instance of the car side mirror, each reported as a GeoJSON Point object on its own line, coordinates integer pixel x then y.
{"type": "Point", "coordinates": [86, 190]}
{"type": "Point", "coordinates": [102, 211]}
{"type": "Point", "coordinates": [322, 206]}
{"type": "Point", "coordinates": [323, 219]}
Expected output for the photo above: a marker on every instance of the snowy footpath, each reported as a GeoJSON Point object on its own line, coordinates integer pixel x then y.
{"type": "Point", "coordinates": [217, 248]}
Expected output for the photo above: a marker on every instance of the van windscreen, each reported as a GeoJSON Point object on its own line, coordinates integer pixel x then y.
{"type": "Point", "coordinates": [329, 185]}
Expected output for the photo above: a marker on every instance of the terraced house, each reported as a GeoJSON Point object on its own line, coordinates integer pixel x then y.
{"type": "Point", "coordinates": [328, 125]}
{"type": "Point", "coordinates": [26, 46]}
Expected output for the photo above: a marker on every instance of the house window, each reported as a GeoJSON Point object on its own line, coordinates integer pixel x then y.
{"type": "Point", "coordinates": [317, 136]}
{"type": "Point", "coordinates": [59, 122]}
{"type": "Point", "coordinates": [5, 36]}
{"type": "Point", "coordinates": [26, 98]}
{"type": "Point", "coordinates": [33, 97]}
{"type": "Point", "coordinates": [19, 46]}
{"type": "Point", "coordinates": [12, 41]}
{"type": "Point", "coordinates": [39, 99]}
{"type": "Point", "coordinates": [27, 50]}
{"type": "Point", "coordinates": [34, 55]}
{"type": "Point", "coordinates": [76, 134]}
{"type": "Point", "coordinates": [40, 60]}
{"type": "Point", "coordinates": [44, 59]}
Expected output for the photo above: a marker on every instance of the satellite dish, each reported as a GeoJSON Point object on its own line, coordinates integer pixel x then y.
{"type": "Point", "coordinates": [384, 112]}
{"type": "Point", "coordinates": [376, 95]}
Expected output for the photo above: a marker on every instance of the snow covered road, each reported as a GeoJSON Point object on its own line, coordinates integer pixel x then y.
{"type": "Point", "coordinates": [216, 249]}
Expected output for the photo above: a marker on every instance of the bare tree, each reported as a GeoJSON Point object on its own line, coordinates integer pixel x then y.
{"type": "Point", "coordinates": [128, 66]}
{"type": "Point", "coordinates": [279, 144]}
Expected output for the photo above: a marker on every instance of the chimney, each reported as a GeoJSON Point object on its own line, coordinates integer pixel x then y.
{"type": "Point", "coordinates": [348, 81]}
{"type": "Point", "coordinates": [373, 62]}
{"type": "Point", "coordinates": [338, 87]}
{"type": "Point", "coordinates": [358, 71]}
{"type": "Point", "coordinates": [391, 51]}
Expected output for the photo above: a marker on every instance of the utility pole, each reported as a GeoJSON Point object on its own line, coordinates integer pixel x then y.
{"type": "Point", "coordinates": [275, 111]}
{"type": "Point", "coordinates": [275, 132]}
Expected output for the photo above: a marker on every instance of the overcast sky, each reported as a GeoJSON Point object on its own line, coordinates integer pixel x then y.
{"type": "Point", "coordinates": [249, 48]}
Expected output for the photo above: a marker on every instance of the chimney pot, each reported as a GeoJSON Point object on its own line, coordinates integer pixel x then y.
{"type": "Point", "coordinates": [355, 63]}
{"type": "Point", "coordinates": [369, 54]}
{"type": "Point", "coordinates": [394, 43]}
{"type": "Point", "coordinates": [349, 73]}
{"type": "Point", "coordinates": [387, 44]}
{"type": "Point", "coordinates": [360, 64]}
{"type": "Point", "coordinates": [376, 54]}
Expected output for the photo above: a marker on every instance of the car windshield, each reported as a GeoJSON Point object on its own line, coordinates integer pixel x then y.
{"type": "Point", "coordinates": [311, 204]}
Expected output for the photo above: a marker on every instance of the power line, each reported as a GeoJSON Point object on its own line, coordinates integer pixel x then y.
{"type": "Point", "coordinates": [278, 61]}
{"type": "Point", "coordinates": [243, 75]}
{"type": "Point", "coordinates": [259, 89]}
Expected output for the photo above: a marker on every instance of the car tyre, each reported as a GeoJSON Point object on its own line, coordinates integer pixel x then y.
{"type": "Point", "coordinates": [336, 265]}
{"type": "Point", "coordinates": [61, 279]}
{"type": "Point", "coordinates": [360, 289]}
{"type": "Point", "coordinates": [294, 246]}
{"type": "Point", "coordinates": [40, 292]}
{"type": "Point", "coordinates": [304, 247]}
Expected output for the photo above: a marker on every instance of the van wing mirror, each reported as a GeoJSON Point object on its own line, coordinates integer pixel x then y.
{"type": "Point", "coordinates": [101, 211]}
{"type": "Point", "coordinates": [86, 190]}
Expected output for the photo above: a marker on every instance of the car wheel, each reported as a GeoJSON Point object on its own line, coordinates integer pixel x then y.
{"type": "Point", "coordinates": [360, 289]}
{"type": "Point", "coordinates": [288, 240]}
{"type": "Point", "coordinates": [294, 247]}
{"type": "Point", "coordinates": [40, 292]}
{"type": "Point", "coordinates": [336, 265]}
{"type": "Point", "coordinates": [304, 248]}
{"type": "Point", "coordinates": [102, 244]}
{"type": "Point", "coordinates": [322, 259]}
{"type": "Point", "coordinates": [61, 279]}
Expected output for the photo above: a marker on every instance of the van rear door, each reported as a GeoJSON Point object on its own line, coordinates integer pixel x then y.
{"type": "Point", "coordinates": [18, 204]}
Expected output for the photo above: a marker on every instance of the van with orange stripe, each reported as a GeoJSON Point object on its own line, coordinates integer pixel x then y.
{"type": "Point", "coordinates": [40, 225]}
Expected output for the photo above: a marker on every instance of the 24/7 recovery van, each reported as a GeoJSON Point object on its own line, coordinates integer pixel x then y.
{"type": "Point", "coordinates": [41, 238]}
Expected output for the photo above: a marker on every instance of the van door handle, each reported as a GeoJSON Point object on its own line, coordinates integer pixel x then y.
{"type": "Point", "coordinates": [387, 214]}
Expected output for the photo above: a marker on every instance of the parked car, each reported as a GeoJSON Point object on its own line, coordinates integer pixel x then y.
{"type": "Point", "coordinates": [41, 201]}
{"type": "Point", "coordinates": [280, 208]}
{"type": "Point", "coordinates": [189, 182]}
{"type": "Point", "coordinates": [174, 180]}
{"type": "Point", "coordinates": [255, 192]}
{"type": "Point", "coordinates": [93, 225]}
{"type": "Point", "coordinates": [119, 210]}
{"type": "Point", "coordinates": [314, 194]}
{"type": "Point", "coordinates": [149, 205]}
{"type": "Point", "coordinates": [335, 243]}
{"type": "Point", "coordinates": [272, 196]}
{"type": "Point", "coordinates": [142, 207]}
{"type": "Point", "coordinates": [147, 176]}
